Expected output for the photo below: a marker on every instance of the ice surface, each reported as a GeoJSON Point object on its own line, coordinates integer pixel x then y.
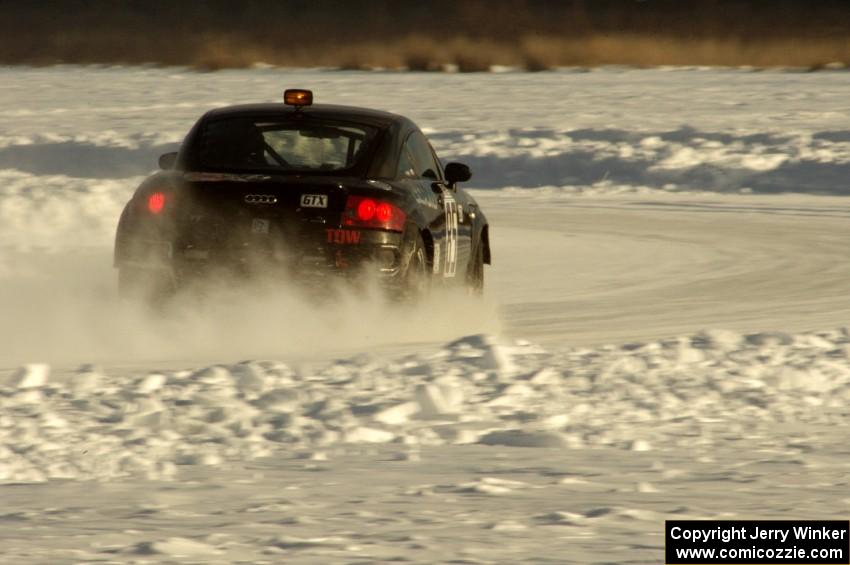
{"type": "Point", "coordinates": [632, 208]}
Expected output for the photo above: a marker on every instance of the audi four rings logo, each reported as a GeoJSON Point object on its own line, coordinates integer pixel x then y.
{"type": "Point", "coordinates": [260, 198]}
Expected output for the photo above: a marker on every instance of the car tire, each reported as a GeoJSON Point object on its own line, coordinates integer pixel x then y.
{"type": "Point", "coordinates": [475, 274]}
{"type": "Point", "coordinates": [416, 279]}
{"type": "Point", "coordinates": [151, 286]}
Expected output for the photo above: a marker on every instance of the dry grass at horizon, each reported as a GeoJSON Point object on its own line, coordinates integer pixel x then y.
{"type": "Point", "coordinates": [424, 53]}
{"type": "Point", "coordinates": [472, 35]}
{"type": "Point", "coordinates": [535, 53]}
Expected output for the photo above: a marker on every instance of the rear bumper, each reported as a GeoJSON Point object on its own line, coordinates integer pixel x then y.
{"type": "Point", "coordinates": [342, 252]}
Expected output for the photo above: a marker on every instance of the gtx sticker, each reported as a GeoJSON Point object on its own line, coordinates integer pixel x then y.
{"type": "Point", "coordinates": [260, 226]}
{"type": "Point", "coordinates": [314, 200]}
{"type": "Point", "coordinates": [450, 206]}
{"type": "Point", "coordinates": [343, 237]}
{"type": "Point", "coordinates": [437, 257]}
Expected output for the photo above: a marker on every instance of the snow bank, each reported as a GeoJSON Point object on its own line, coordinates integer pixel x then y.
{"type": "Point", "coordinates": [76, 140]}
{"type": "Point", "coordinates": [58, 211]}
{"type": "Point", "coordinates": [683, 159]}
{"type": "Point", "coordinates": [690, 392]}
{"type": "Point", "coordinates": [71, 189]}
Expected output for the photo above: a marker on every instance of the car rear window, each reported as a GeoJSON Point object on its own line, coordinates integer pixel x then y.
{"type": "Point", "coordinates": [237, 144]}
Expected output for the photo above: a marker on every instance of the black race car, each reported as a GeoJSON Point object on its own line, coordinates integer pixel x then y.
{"type": "Point", "coordinates": [302, 190]}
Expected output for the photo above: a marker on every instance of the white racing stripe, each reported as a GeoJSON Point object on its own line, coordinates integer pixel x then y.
{"type": "Point", "coordinates": [450, 208]}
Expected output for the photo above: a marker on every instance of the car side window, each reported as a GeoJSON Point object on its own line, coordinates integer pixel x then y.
{"type": "Point", "coordinates": [406, 170]}
{"type": "Point", "coordinates": [424, 163]}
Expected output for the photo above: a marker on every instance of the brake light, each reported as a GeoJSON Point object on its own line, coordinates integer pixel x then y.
{"type": "Point", "coordinates": [363, 212]}
{"type": "Point", "coordinates": [383, 212]}
{"type": "Point", "coordinates": [366, 210]}
{"type": "Point", "coordinates": [156, 202]}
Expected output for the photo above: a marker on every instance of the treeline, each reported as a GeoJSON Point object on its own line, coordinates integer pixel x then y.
{"type": "Point", "coordinates": [429, 35]}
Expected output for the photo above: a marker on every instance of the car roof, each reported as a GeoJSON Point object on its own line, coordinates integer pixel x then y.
{"type": "Point", "coordinates": [330, 111]}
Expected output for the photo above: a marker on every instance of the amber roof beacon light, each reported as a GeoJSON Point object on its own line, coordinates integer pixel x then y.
{"type": "Point", "coordinates": [298, 97]}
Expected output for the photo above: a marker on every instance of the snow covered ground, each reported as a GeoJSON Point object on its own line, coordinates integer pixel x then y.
{"type": "Point", "coordinates": [663, 334]}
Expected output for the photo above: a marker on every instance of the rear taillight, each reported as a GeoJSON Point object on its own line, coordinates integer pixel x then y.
{"type": "Point", "coordinates": [156, 202]}
{"type": "Point", "coordinates": [364, 212]}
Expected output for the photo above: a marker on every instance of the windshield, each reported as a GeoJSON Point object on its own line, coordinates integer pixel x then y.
{"type": "Point", "coordinates": [286, 145]}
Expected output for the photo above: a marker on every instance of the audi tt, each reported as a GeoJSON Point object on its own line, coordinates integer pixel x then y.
{"type": "Point", "coordinates": [304, 190]}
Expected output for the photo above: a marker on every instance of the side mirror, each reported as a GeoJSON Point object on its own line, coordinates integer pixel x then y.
{"type": "Point", "coordinates": [167, 160]}
{"type": "Point", "coordinates": [457, 172]}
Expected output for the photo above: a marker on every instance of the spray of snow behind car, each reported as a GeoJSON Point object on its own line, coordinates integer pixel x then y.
{"type": "Point", "coordinates": [62, 306]}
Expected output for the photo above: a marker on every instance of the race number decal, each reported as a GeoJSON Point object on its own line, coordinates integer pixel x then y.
{"type": "Point", "coordinates": [314, 200]}
{"type": "Point", "coordinates": [450, 206]}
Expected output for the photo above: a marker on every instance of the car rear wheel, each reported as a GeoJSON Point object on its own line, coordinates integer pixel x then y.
{"type": "Point", "coordinates": [151, 286]}
{"type": "Point", "coordinates": [475, 274]}
{"type": "Point", "coordinates": [416, 280]}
